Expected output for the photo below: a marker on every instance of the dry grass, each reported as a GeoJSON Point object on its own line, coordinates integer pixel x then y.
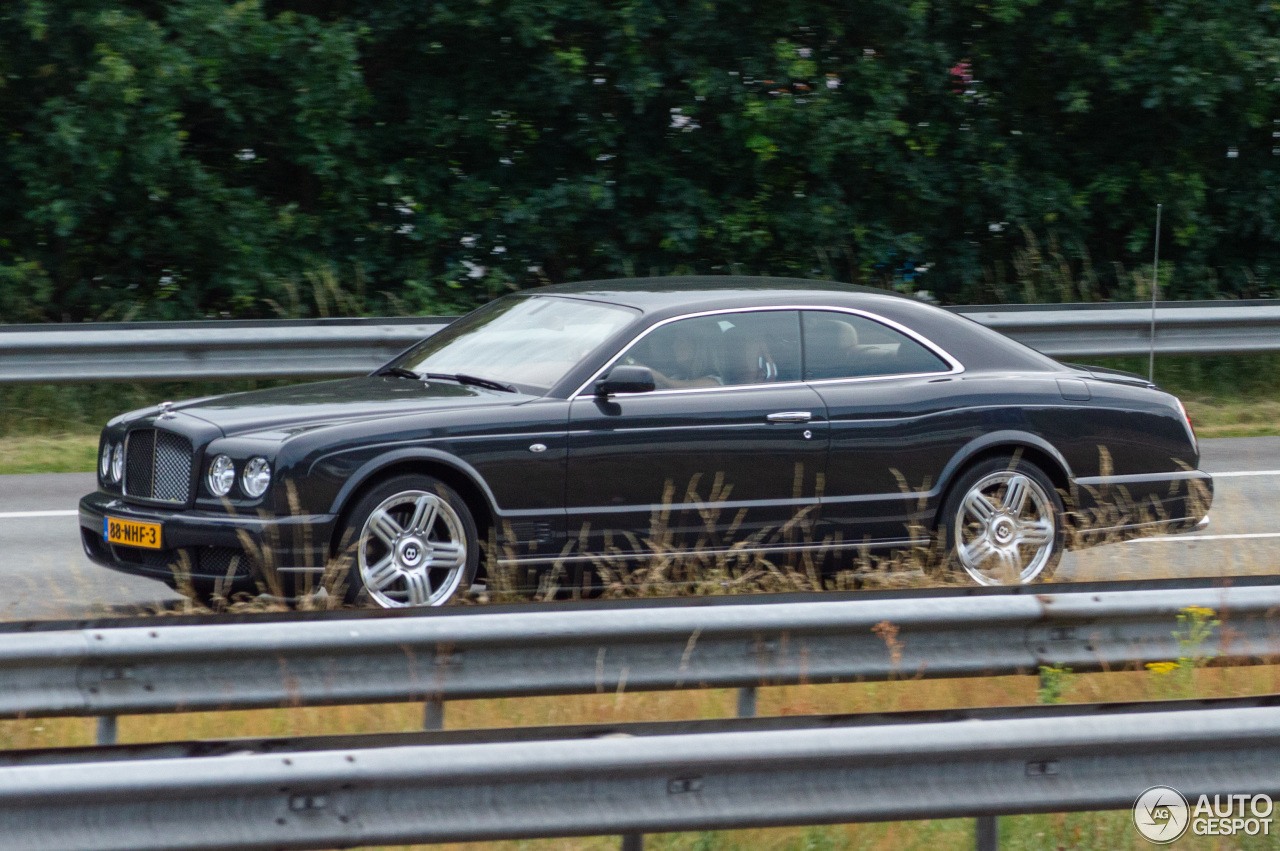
{"type": "Point", "coordinates": [1076, 831]}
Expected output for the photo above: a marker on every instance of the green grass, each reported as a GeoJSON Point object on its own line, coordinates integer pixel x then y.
{"type": "Point", "coordinates": [54, 428]}
{"type": "Point", "coordinates": [59, 453]}
{"type": "Point", "coordinates": [1226, 395]}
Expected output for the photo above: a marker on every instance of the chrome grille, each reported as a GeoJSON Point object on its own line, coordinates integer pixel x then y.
{"type": "Point", "coordinates": [157, 466]}
{"type": "Point", "coordinates": [172, 467]}
{"type": "Point", "coordinates": [139, 462]}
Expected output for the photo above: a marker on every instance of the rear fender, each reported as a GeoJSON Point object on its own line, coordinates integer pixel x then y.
{"type": "Point", "coordinates": [1010, 440]}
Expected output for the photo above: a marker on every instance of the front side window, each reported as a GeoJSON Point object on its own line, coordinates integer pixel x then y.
{"type": "Point", "coordinates": [722, 350]}
{"type": "Point", "coordinates": [531, 342]}
{"type": "Point", "coordinates": [844, 345]}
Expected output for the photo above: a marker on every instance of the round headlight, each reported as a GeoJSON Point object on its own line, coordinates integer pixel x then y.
{"type": "Point", "coordinates": [117, 463]}
{"type": "Point", "coordinates": [222, 475]}
{"type": "Point", "coordinates": [256, 477]}
{"type": "Point", "coordinates": [104, 463]}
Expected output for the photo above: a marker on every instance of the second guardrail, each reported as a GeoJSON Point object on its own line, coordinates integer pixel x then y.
{"type": "Point", "coordinates": [627, 780]}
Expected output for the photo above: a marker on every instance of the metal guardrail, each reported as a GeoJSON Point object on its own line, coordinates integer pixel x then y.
{"type": "Point", "coordinates": [289, 794]}
{"type": "Point", "coordinates": [1082, 330]}
{"type": "Point", "coordinates": [206, 350]}
{"type": "Point", "coordinates": [614, 782]}
{"type": "Point", "coordinates": [336, 347]}
{"type": "Point", "coordinates": [467, 654]}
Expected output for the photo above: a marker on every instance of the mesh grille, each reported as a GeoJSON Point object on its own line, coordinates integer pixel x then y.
{"type": "Point", "coordinates": [155, 559]}
{"type": "Point", "coordinates": [139, 462]}
{"type": "Point", "coordinates": [217, 561]}
{"type": "Point", "coordinates": [212, 562]}
{"type": "Point", "coordinates": [172, 467]}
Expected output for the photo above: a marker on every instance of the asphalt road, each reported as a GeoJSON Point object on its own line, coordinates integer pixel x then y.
{"type": "Point", "coordinates": [44, 573]}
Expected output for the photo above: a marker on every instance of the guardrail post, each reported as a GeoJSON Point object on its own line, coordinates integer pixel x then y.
{"type": "Point", "coordinates": [106, 734]}
{"type": "Point", "coordinates": [633, 842]}
{"type": "Point", "coordinates": [987, 833]}
{"type": "Point", "coordinates": [433, 714]}
{"type": "Point", "coordinates": [747, 702]}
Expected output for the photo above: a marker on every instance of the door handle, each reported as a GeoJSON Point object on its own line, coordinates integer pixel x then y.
{"type": "Point", "coordinates": [790, 417]}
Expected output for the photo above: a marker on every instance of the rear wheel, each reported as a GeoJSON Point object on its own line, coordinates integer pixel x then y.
{"type": "Point", "coordinates": [415, 544]}
{"type": "Point", "coordinates": [1002, 524]}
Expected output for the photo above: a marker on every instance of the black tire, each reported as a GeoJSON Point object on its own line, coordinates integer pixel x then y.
{"type": "Point", "coordinates": [429, 566]}
{"type": "Point", "coordinates": [1008, 546]}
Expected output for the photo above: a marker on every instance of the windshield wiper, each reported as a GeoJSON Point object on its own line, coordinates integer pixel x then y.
{"type": "Point", "coordinates": [399, 372]}
{"type": "Point", "coordinates": [476, 381]}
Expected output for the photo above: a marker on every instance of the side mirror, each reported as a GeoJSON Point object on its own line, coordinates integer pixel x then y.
{"type": "Point", "coordinates": [626, 379]}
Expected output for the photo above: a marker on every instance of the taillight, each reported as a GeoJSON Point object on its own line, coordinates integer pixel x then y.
{"type": "Point", "coordinates": [1191, 429]}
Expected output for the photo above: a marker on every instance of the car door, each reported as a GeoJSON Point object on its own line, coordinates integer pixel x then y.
{"type": "Point", "coordinates": [726, 451]}
{"type": "Point", "coordinates": [887, 396]}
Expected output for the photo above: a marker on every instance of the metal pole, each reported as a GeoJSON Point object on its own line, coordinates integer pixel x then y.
{"type": "Point", "coordinates": [1155, 286]}
{"type": "Point", "coordinates": [633, 842]}
{"type": "Point", "coordinates": [987, 833]}
{"type": "Point", "coordinates": [433, 715]}
{"type": "Point", "coordinates": [106, 734]}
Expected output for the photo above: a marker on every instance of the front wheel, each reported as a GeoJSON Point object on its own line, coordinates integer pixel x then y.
{"type": "Point", "coordinates": [415, 544]}
{"type": "Point", "coordinates": [1002, 524]}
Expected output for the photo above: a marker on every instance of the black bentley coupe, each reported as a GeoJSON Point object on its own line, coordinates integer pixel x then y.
{"type": "Point", "coordinates": [648, 418]}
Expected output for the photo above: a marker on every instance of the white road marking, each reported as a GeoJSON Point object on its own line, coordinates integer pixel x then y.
{"type": "Point", "coordinates": [1175, 539]}
{"type": "Point", "coordinates": [1240, 473]}
{"type": "Point", "coordinates": [19, 515]}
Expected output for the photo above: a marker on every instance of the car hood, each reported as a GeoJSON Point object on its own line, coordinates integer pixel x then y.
{"type": "Point", "coordinates": [304, 406]}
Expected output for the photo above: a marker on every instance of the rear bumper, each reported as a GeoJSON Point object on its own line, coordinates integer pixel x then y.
{"type": "Point", "coordinates": [1119, 508]}
{"type": "Point", "coordinates": [207, 546]}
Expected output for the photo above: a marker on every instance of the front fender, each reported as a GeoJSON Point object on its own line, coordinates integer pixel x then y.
{"type": "Point", "coordinates": [390, 458]}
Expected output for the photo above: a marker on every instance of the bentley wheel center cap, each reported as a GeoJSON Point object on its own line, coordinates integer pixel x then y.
{"type": "Point", "coordinates": [1003, 531]}
{"type": "Point", "coordinates": [411, 551]}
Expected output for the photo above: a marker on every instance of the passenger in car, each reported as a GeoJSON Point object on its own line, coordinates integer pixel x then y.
{"type": "Point", "coordinates": [684, 364]}
{"type": "Point", "coordinates": [830, 350]}
{"type": "Point", "coordinates": [747, 359]}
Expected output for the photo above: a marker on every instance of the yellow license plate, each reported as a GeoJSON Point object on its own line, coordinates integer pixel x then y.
{"type": "Point", "coordinates": [131, 533]}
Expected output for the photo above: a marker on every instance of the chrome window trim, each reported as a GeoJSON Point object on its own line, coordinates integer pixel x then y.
{"type": "Point", "coordinates": [955, 367]}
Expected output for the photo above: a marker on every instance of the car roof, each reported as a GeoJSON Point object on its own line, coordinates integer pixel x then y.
{"type": "Point", "coordinates": [712, 291]}
{"type": "Point", "coordinates": [659, 298]}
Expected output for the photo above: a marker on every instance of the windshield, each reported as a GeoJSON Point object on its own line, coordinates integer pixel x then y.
{"type": "Point", "coordinates": [531, 342]}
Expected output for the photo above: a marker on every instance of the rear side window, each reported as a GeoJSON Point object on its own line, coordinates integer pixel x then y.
{"type": "Point", "coordinates": [842, 345]}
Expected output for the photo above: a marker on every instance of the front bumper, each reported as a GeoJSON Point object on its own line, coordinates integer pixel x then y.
{"type": "Point", "coordinates": [208, 546]}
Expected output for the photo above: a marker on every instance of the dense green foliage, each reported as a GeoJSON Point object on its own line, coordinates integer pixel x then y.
{"type": "Point", "coordinates": [183, 158]}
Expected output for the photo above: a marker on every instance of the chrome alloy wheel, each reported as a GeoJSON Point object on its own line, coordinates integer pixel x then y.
{"type": "Point", "coordinates": [412, 551]}
{"type": "Point", "coordinates": [1005, 529]}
